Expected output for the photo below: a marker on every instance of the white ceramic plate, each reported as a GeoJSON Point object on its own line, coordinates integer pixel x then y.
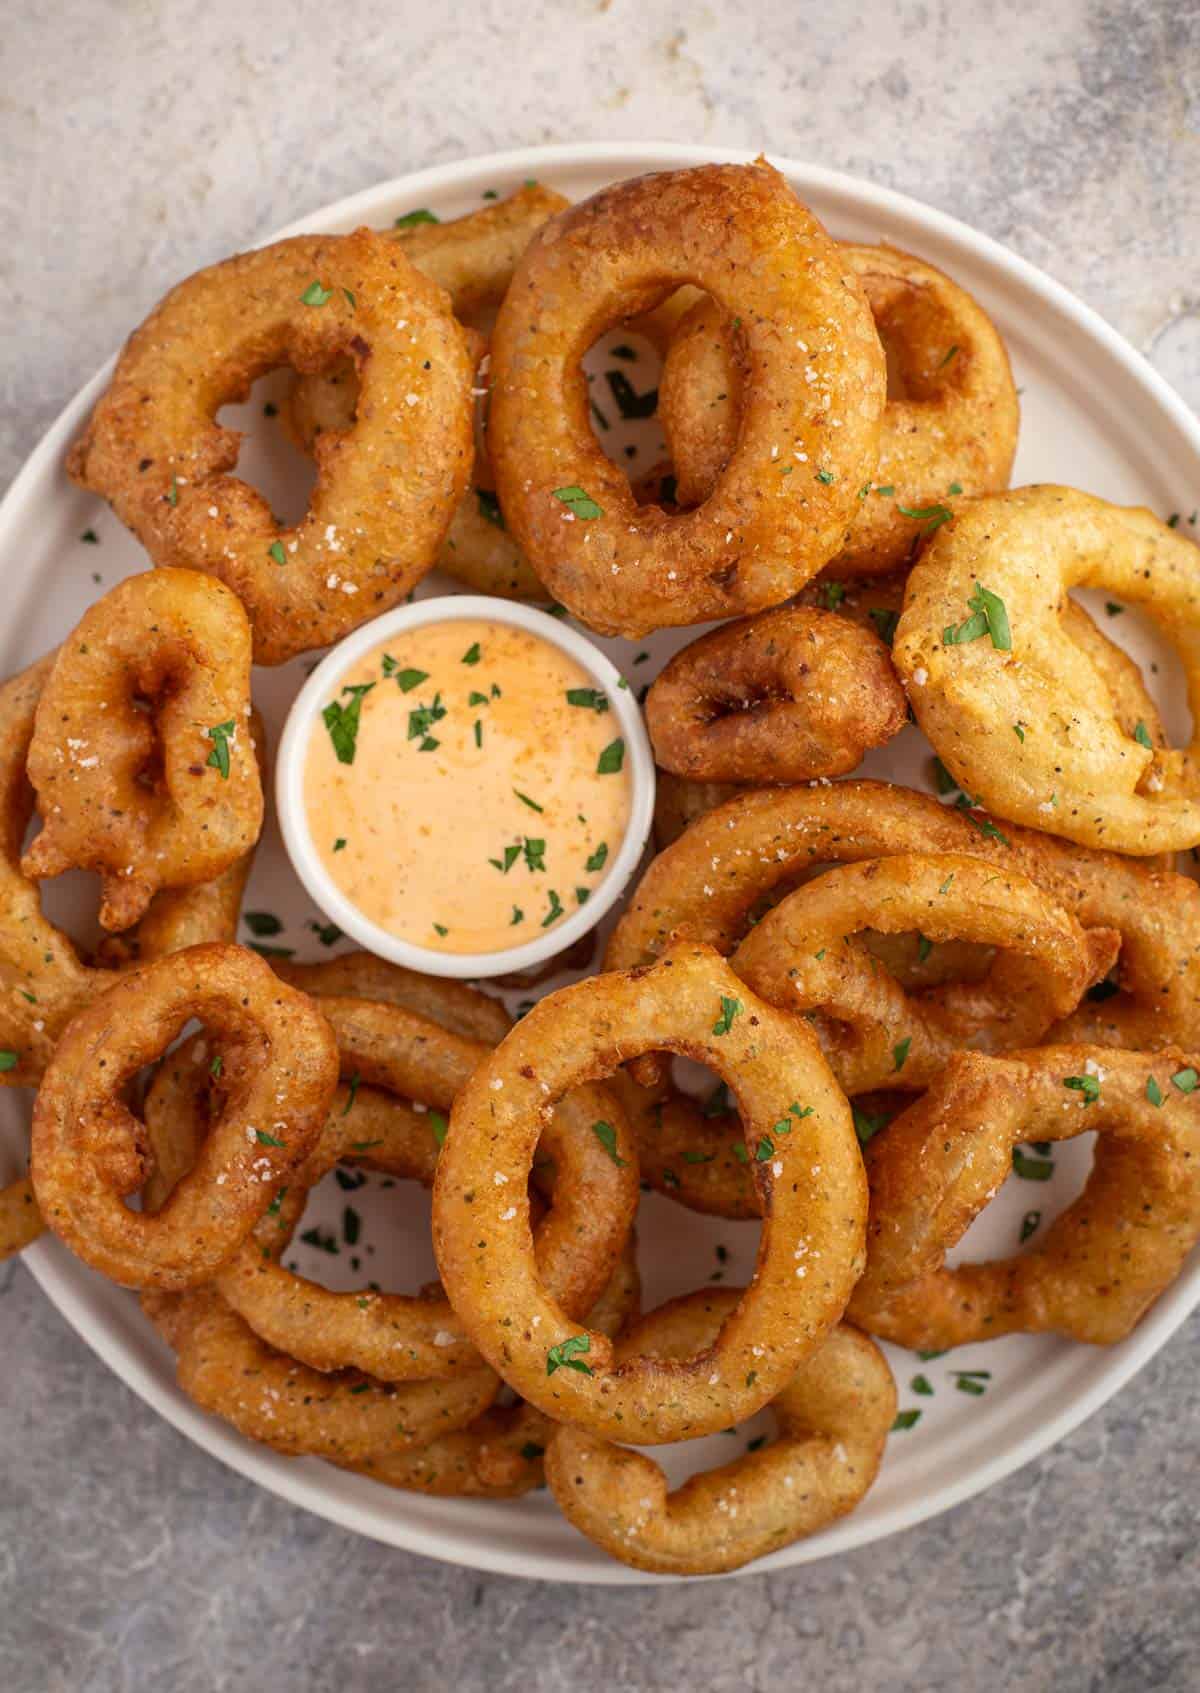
{"type": "Point", "coordinates": [1095, 415]}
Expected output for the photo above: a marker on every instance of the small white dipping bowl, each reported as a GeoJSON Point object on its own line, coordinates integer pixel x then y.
{"type": "Point", "coordinates": [322, 686]}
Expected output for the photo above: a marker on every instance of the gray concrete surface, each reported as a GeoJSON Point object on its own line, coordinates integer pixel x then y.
{"type": "Point", "coordinates": [139, 140]}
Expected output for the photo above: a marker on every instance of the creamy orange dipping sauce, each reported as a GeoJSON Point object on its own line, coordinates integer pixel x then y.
{"type": "Point", "coordinates": [468, 787]}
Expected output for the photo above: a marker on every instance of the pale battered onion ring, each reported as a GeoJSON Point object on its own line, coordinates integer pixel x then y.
{"type": "Point", "coordinates": [780, 697]}
{"type": "Point", "coordinates": [360, 975]}
{"type": "Point", "coordinates": [280, 1062]}
{"type": "Point", "coordinates": [399, 1337]}
{"type": "Point", "coordinates": [949, 425]}
{"type": "Point", "coordinates": [833, 1420]}
{"type": "Point", "coordinates": [1100, 1264]}
{"type": "Point", "coordinates": [797, 1124]}
{"type": "Point", "coordinates": [805, 956]}
{"type": "Point", "coordinates": [20, 1220]}
{"type": "Point", "coordinates": [225, 1369]}
{"type": "Point", "coordinates": [43, 981]}
{"type": "Point", "coordinates": [1073, 770]}
{"type": "Point", "coordinates": [386, 489]}
{"type": "Point", "coordinates": [473, 259]}
{"type": "Point", "coordinates": [499, 1455]}
{"type": "Point", "coordinates": [814, 395]}
{"type": "Point", "coordinates": [162, 801]}
{"type": "Point", "coordinates": [707, 886]}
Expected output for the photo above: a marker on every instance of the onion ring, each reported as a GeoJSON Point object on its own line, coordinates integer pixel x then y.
{"type": "Point", "coordinates": [499, 1455]}
{"type": "Point", "coordinates": [386, 489]}
{"type": "Point", "coordinates": [804, 956]}
{"type": "Point", "coordinates": [398, 1337]}
{"type": "Point", "coordinates": [709, 883]}
{"type": "Point", "coordinates": [796, 1118]}
{"type": "Point", "coordinates": [182, 641]}
{"type": "Point", "coordinates": [280, 1059]}
{"type": "Point", "coordinates": [814, 395]}
{"type": "Point", "coordinates": [227, 1370]}
{"type": "Point", "coordinates": [833, 1420]}
{"type": "Point", "coordinates": [949, 426]}
{"type": "Point", "coordinates": [780, 697]}
{"type": "Point", "coordinates": [1018, 713]}
{"type": "Point", "coordinates": [461, 1009]}
{"type": "Point", "coordinates": [1099, 1265]}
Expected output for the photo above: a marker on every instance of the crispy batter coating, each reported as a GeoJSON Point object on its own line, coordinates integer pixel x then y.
{"type": "Point", "coordinates": [949, 426]}
{"type": "Point", "coordinates": [279, 1061]}
{"type": "Point", "coordinates": [226, 1369]}
{"type": "Point", "coordinates": [832, 1419]}
{"type": "Point", "coordinates": [164, 798]}
{"type": "Point", "coordinates": [798, 1131]}
{"type": "Point", "coordinates": [805, 956]}
{"type": "Point", "coordinates": [780, 697]}
{"type": "Point", "coordinates": [711, 882]}
{"type": "Point", "coordinates": [1099, 1265]}
{"type": "Point", "coordinates": [386, 489]}
{"type": "Point", "coordinates": [814, 394]}
{"type": "Point", "coordinates": [1076, 768]}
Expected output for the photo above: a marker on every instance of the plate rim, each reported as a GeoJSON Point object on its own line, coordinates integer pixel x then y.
{"type": "Point", "coordinates": [65, 1281]}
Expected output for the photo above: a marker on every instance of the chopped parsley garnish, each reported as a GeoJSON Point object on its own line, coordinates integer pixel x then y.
{"type": "Point", "coordinates": [1114, 608]}
{"type": "Point", "coordinates": [900, 1052]}
{"type": "Point", "coordinates": [477, 731]}
{"type": "Point", "coordinates": [730, 1008]}
{"type": "Point", "coordinates": [764, 1150]}
{"type": "Point", "coordinates": [630, 403]}
{"type": "Point", "coordinates": [623, 352]}
{"type": "Point", "coordinates": [611, 759]}
{"type": "Point", "coordinates": [351, 1225]}
{"type": "Point", "coordinates": [597, 859]}
{"type": "Point", "coordinates": [924, 948]}
{"type": "Point", "coordinates": [607, 1136]}
{"type": "Point", "coordinates": [591, 699]}
{"type": "Point", "coordinates": [264, 1139]}
{"type": "Point", "coordinates": [441, 929]}
{"type": "Point", "coordinates": [989, 617]}
{"type": "Point", "coordinates": [422, 718]}
{"type": "Point", "coordinates": [906, 1420]}
{"type": "Point", "coordinates": [867, 1127]}
{"type": "Point", "coordinates": [421, 215]}
{"type": "Point", "coordinates": [172, 495]}
{"type": "Point", "coordinates": [555, 911]}
{"type": "Point", "coordinates": [262, 922]}
{"type": "Point", "coordinates": [438, 1127]}
{"type": "Point", "coordinates": [949, 356]}
{"type": "Point", "coordinates": [351, 300]}
{"type": "Point", "coordinates": [275, 551]}
{"type": "Point", "coordinates": [1029, 1223]}
{"type": "Point", "coordinates": [717, 1102]}
{"type": "Point", "coordinates": [826, 476]}
{"type": "Point", "coordinates": [568, 1355]}
{"type": "Point", "coordinates": [265, 951]}
{"type": "Point", "coordinates": [407, 679]}
{"type": "Point", "coordinates": [1153, 1092]}
{"type": "Point", "coordinates": [518, 916]}
{"type": "Point", "coordinates": [217, 1065]}
{"type": "Point", "coordinates": [473, 654]}
{"type": "Point", "coordinates": [326, 1243]}
{"type": "Point", "coordinates": [315, 295]}
{"type": "Point", "coordinates": [1088, 1086]}
{"type": "Point", "coordinates": [511, 854]}
{"type": "Point", "coordinates": [340, 844]}
{"type": "Point", "coordinates": [535, 853]}
{"type": "Point", "coordinates": [582, 895]}
{"type": "Point", "coordinates": [1031, 1169]}
{"type": "Point", "coordinates": [922, 1385]}
{"type": "Point", "coordinates": [1018, 731]}
{"type": "Point", "coordinates": [954, 488]}
{"type": "Point", "coordinates": [578, 502]}
{"type": "Point", "coordinates": [525, 800]}
{"type": "Point", "coordinates": [218, 758]}
{"type": "Point", "coordinates": [1142, 735]}
{"type": "Point", "coordinates": [1185, 1080]}
{"type": "Point", "coordinates": [832, 594]}
{"type": "Point", "coordinates": [885, 622]}
{"type": "Point", "coordinates": [90, 537]}
{"type": "Point", "coordinates": [342, 720]}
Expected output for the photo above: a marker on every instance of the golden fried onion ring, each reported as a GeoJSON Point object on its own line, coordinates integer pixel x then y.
{"type": "Point", "coordinates": [399, 1337]}
{"type": "Point", "coordinates": [708, 884]}
{"type": "Point", "coordinates": [181, 641]}
{"type": "Point", "coordinates": [780, 697]}
{"type": "Point", "coordinates": [1073, 769]}
{"type": "Point", "coordinates": [949, 426]}
{"type": "Point", "coordinates": [279, 1063]}
{"type": "Point", "coordinates": [386, 489]}
{"type": "Point", "coordinates": [805, 956]}
{"type": "Point", "coordinates": [1100, 1264]}
{"type": "Point", "coordinates": [833, 1419]}
{"type": "Point", "coordinates": [814, 394]}
{"type": "Point", "coordinates": [225, 1369]}
{"type": "Point", "coordinates": [797, 1124]}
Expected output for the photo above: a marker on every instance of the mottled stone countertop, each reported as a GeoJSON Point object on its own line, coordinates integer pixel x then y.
{"type": "Point", "coordinates": [142, 138]}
